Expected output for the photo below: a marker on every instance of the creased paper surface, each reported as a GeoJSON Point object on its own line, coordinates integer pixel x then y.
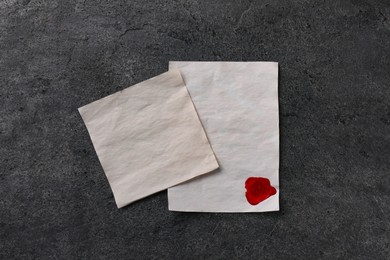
{"type": "Point", "coordinates": [237, 103]}
{"type": "Point", "coordinates": [148, 137]}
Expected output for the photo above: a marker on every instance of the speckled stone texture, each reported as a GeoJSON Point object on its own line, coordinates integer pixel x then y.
{"type": "Point", "coordinates": [55, 56]}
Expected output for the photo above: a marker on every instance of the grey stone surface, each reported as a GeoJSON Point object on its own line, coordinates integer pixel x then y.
{"type": "Point", "coordinates": [55, 56]}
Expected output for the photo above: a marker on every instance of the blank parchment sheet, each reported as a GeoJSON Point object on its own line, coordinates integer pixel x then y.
{"type": "Point", "coordinates": [148, 137]}
{"type": "Point", "coordinates": [237, 103]}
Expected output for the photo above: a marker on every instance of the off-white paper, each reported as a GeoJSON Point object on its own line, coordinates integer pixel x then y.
{"type": "Point", "coordinates": [237, 103]}
{"type": "Point", "coordinates": [148, 137]}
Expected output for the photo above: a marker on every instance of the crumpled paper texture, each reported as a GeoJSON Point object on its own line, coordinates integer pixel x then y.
{"type": "Point", "coordinates": [237, 103]}
{"type": "Point", "coordinates": [148, 137]}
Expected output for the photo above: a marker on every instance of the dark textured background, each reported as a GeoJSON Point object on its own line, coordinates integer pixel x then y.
{"type": "Point", "coordinates": [56, 56]}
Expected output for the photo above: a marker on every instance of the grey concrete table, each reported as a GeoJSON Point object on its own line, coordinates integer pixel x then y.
{"type": "Point", "coordinates": [55, 56]}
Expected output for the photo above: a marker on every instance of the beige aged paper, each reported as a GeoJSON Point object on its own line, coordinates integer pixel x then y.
{"type": "Point", "coordinates": [148, 137]}
{"type": "Point", "coordinates": [237, 103]}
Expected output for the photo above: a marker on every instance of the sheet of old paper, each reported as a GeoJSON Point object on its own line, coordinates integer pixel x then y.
{"type": "Point", "coordinates": [148, 137]}
{"type": "Point", "coordinates": [237, 103]}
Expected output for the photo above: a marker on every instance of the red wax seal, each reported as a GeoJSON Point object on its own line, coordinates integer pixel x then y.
{"type": "Point", "coordinates": [258, 189]}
